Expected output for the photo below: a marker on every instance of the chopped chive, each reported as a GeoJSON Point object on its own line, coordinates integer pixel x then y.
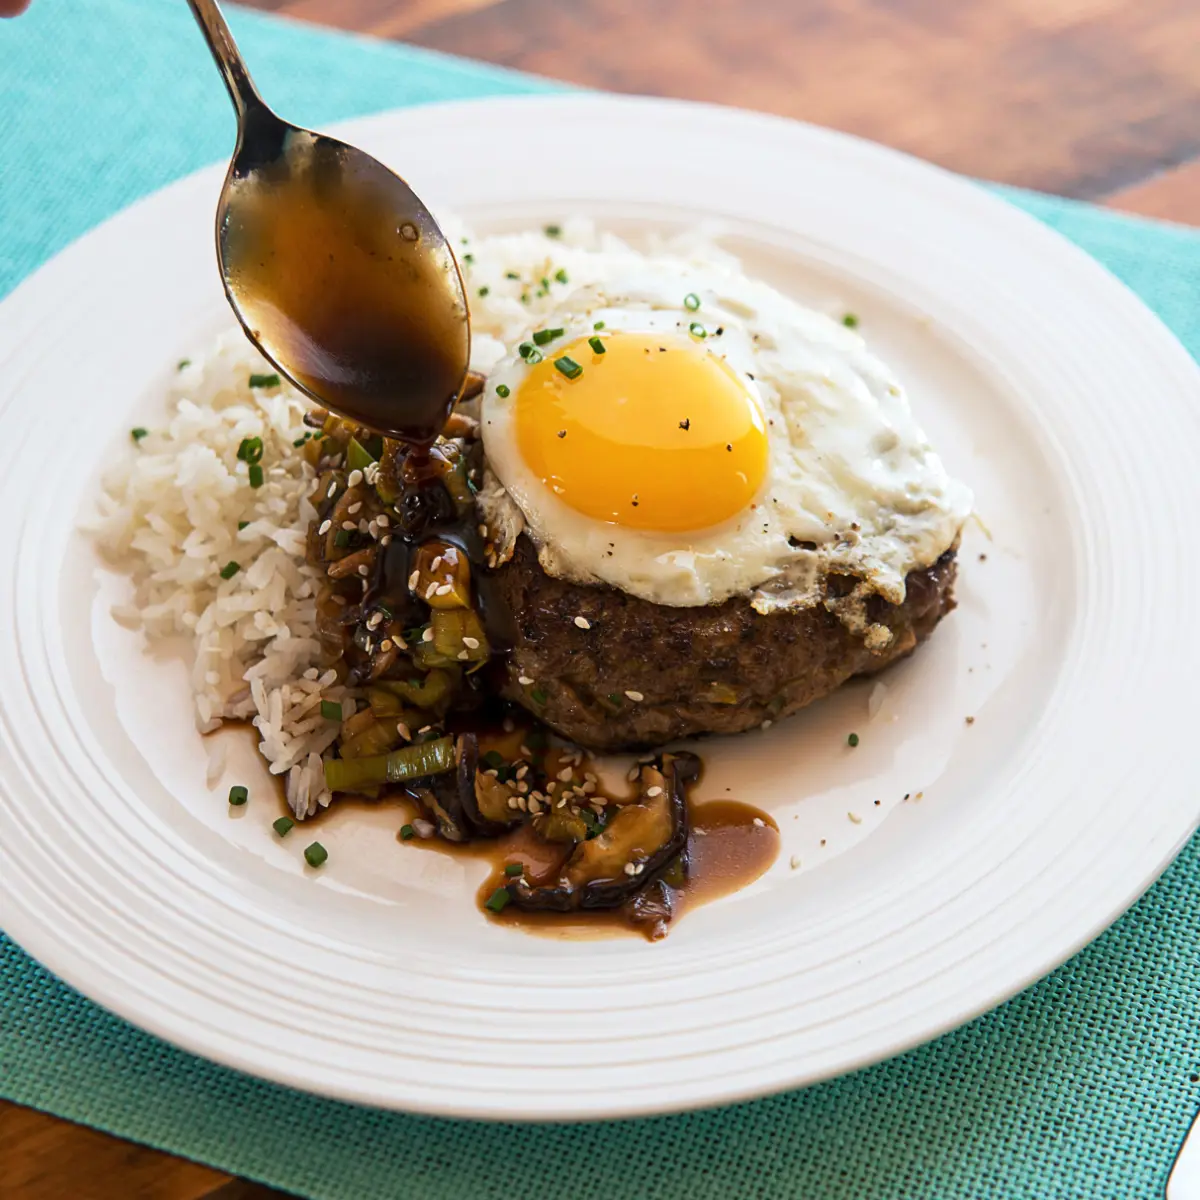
{"type": "Point", "coordinates": [315, 854]}
{"type": "Point", "coordinates": [250, 450]}
{"type": "Point", "coordinates": [524, 297]}
{"type": "Point", "coordinates": [331, 710]}
{"type": "Point", "coordinates": [533, 358]}
{"type": "Point", "coordinates": [597, 345]}
{"type": "Point", "coordinates": [183, 362]}
{"type": "Point", "coordinates": [614, 698]}
{"type": "Point", "coordinates": [502, 391]}
{"type": "Point", "coordinates": [493, 759]}
{"type": "Point", "coordinates": [691, 302]}
{"type": "Point", "coordinates": [850, 321]}
{"type": "Point", "coordinates": [568, 367]}
{"type": "Point", "coordinates": [542, 336]}
{"type": "Point", "coordinates": [341, 539]}
{"type": "Point", "coordinates": [498, 901]}
{"type": "Point", "coordinates": [264, 381]}
{"type": "Point", "coordinates": [407, 833]}
{"type": "Point", "coordinates": [468, 259]}
{"type": "Point", "coordinates": [697, 330]}
{"type": "Point", "coordinates": [256, 475]}
{"type": "Point", "coordinates": [511, 275]}
{"type": "Point", "coordinates": [242, 525]}
{"type": "Point", "coordinates": [483, 291]}
{"type": "Point", "coordinates": [230, 569]}
{"type": "Point", "coordinates": [525, 349]}
{"type": "Point", "coordinates": [238, 795]}
{"type": "Point", "coordinates": [300, 441]}
{"type": "Point", "coordinates": [538, 696]}
{"type": "Point", "coordinates": [852, 740]}
{"type": "Point", "coordinates": [283, 826]}
{"type": "Point", "coordinates": [553, 231]}
{"type": "Point", "coordinates": [598, 325]}
{"type": "Point", "coordinates": [514, 869]}
{"type": "Point", "coordinates": [139, 433]}
{"type": "Point", "coordinates": [561, 274]}
{"type": "Point", "coordinates": [545, 285]}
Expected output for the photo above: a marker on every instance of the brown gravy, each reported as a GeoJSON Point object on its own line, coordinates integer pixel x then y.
{"type": "Point", "coordinates": [341, 280]}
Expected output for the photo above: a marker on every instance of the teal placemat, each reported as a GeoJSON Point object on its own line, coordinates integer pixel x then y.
{"type": "Point", "coordinates": [1080, 1087]}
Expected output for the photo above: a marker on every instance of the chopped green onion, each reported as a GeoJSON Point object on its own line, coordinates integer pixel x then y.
{"type": "Point", "coordinates": [411, 762]}
{"type": "Point", "coordinates": [483, 291]}
{"type": "Point", "coordinates": [315, 854]}
{"type": "Point", "coordinates": [230, 569]}
{"type": "Point", "coordinates": [511, 275]}
{"type": "Point", "coordinates": [498, 900]}
{"type": "Point", "coordinates": [597, 345]}
{"type": "Point", "coordinates": [525, 349]}
{"type": "Point", "coordinates": [598, 325]}
{"type": "Point", "coordinates": [502, 391]}
{"type": "Point", "coordinates": [264, 381]}
{"type": "Point", "coordinates": [341, 539]}
{"type": "Point", "coordinates": [468, 258]}
{"type": "Point", "coordinates": [256, 475]}
{"type": "Point", "coordinates": [251, 450]}
{"type": "Point", "coordinates": [568, 367]}
{"type": "Point", "coordinates": [852, 740]}
{"type": "Point", "coordinates": [139, 433]}
{"type": "Point", "coordinates": [331, 710]}
{"type": "Point", "coordinates": [561, 274]}
{"type": "Point", "coordinates": [514, 869]}
{"type": "Point", "coordinates": [538, 696]}
{"type": "Point", "coordinates": [850, 321]}
{"type": "Point", "coordinates": [300, 441]}
{"type": "Point", "coordinates": [697, 330]}
{"type": "Point", "coordinates": [542, 336]}
{"type": "Point", "coordinates": [493, 759]}
{"type": "Point", "coordinates": [242, 525]}
{"type": "Point", "coordinates": [358, 457]}
{"type": "Point", "coordinates": [183, 362]}
{"type": "Point", "coordinates": [238, 795]}
{"type": "Point", "coordinates": [691, 302]}
{"type": "Point", "coordinates": [534, 358]}
{"type": "Point", "coordinates": [615, 698]}
{"type": "Point", "coordinates": [283, 826]}
{"type": "Point", "coordinates": [553, 231]}
{"type": "Point", "coordinates": [407, 833]}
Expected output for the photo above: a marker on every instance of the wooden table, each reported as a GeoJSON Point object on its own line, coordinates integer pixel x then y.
{"type": "Point", "coordinates": [1096, 99]}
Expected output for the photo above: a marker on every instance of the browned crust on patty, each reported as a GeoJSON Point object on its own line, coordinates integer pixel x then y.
{"type": "Point", "coordinates": [715, 669]}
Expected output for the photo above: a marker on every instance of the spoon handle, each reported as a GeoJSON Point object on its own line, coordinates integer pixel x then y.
{"type": "Point", "coordinates": [241, 87]}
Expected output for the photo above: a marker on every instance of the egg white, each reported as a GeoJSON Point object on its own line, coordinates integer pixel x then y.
{"type": "Point", "coordinates": [852, 485]}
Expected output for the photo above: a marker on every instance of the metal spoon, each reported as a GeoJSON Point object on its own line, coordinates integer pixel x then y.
{"type": "Point", "coordinates": [336, 270]}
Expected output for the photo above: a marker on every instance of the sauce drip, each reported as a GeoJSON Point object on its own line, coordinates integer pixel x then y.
{"type": "Point", "coordinates": [344, 280]}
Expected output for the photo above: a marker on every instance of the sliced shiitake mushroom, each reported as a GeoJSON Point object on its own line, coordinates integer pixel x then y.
{"type": "Point", "coordinates": [641, 840]}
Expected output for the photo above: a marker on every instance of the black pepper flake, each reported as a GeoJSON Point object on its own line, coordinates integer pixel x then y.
{"type": "Point", "coordinates": [634, 501]}
{"type": "Point", "coordinates": [562, 433]}
{"type": "Point", "coordinates": [729, 447]}
{"type": "Point", "coordinates": [685, 424]}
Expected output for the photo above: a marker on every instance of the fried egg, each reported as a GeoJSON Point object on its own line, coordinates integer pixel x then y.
{"type": "Point", "coordinates": [687, 434]}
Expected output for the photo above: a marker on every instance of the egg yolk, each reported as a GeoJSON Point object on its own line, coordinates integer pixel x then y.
{"type": "Point", "coordinates": [656, 433]}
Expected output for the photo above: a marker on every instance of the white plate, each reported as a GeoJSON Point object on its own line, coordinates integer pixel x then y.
{"type": "Point", "coordinates": [1070, 409]}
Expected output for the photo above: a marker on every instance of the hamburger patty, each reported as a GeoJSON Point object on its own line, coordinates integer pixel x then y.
{"type": "Point", "coordinates": [716, 669]}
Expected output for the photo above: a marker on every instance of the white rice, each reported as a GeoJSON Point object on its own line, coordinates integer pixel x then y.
{"type": "Point", "coordinates": [169, 514]}
{"type": "Point", "coordinates": [169, 511]}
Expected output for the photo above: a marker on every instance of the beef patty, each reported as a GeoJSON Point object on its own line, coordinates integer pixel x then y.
{"type": "Point", "coordinates": [642, 674]}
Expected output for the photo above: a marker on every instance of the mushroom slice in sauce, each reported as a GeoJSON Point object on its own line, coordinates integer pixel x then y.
{"type": "Point", "coordinates": [640, 841]}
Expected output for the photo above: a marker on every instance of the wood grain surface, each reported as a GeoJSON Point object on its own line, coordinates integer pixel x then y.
{"type": "Point", "coordinates": [1097, 99]}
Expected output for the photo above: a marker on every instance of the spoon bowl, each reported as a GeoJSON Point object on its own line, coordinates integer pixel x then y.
{"type": "Point", "coordinates": [336, 270]}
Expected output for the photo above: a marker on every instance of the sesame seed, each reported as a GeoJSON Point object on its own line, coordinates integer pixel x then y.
{"type": "Point", "coordinates": [382, 520]}
{"type": "Point", "coordinates": [375, 620]}
{"type": "Point", "coordinates": [482, 529]}
{"type": "Point", "coordinates": [354, 478]}
{"type": "Point", "coordinates": [354, 507]}
{"type": "Point", "coordinates": [630, 869]}
{"type": "Point", "coordinates": [364, 570]}
{"type": "Point", "coordinates": [583, 623]}
{"type": "Point", "coordinates": [639, 868]}
{"type": "Point", "coordinates": [404, 731]}
{"type": "Point", "coordinates": [534, 806]}
{"type": "Point", "coordinates": [523, 803]}
{"type": "Point", "coordinates": [551, 788]}
{"type": "Point", "coordinates": [413, 580]}
{"type": "Point", "coordinates": [765, 725]}
{"type": "Point", "coordinates": [326, 526]}
{"type": "Point", "coordinates": [525, 751]}
{"type": "Point", "coordinates": [471, 643]}
{"type": "Point", "coordinates": [654, 791]}
{"type": "Point", "coordinates": [564, 774]}
{"type": "Point", "coordinates": [522, 786]}
{"type": "Point", "coordinates": [588, 788]}
{"type": "Point", "coordinates": [463, 655]}
{"type": "Point", "coordinates": [427, 636]}
{"type": "Point", "coordinates": [492, 772]}
{"type": "Point", "coordinates": [386, 540]}
{"type": "Point", "coordinates": [385, 645]}
{"type": "Point", "coordinates": [522, 771]}
{"type": "Point", "coordinates": [513, 802]}
{"type": "Point", "coordinates": [425, 729]}
{"type": "Point", "coordinates": [349, 525]}
{"type": "Point", "coordinates": [795, 863]}
{"type": "Point", "coordinates": [760, 822]}
{"type": "Point", "coordinates": [855, 818]}
{"type": "Point", "coordinates": [524, 680]}
{"type": "Point", "coordinates": [444, 589]}
{"type": "Point", "coordinates": [437, 562]}
{"type": "Point", "coordinates": [362, 525]}
{"type": "Point", "coordinates": [635, 696]}
{"type": "Point", "coordinates": [430, 590]}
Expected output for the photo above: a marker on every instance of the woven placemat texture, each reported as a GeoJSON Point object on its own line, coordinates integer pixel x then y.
{"type": "Point", "coordinates": [1082, 1086]}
